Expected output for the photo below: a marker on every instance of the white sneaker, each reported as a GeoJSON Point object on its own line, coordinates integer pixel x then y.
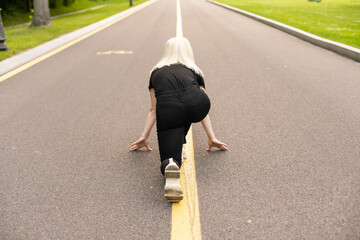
{"type": "Point", "coordinates": [173, 190]}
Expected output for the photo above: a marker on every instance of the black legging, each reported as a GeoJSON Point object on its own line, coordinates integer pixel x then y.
{"type": "Point", "coordinates": [175, 111]}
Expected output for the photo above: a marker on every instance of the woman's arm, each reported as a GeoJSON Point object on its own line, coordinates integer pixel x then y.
{"type": "Point", "coordinates": [213, 142]}
{"type": "Point", "coordinates": [150, 121]}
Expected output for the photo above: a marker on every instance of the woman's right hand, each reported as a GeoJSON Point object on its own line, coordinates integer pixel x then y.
{"type": "Point", "coordinates": [142, 142]}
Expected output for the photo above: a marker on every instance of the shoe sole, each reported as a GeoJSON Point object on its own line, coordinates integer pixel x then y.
{"type": "Point", "coordinates": [173, 191]}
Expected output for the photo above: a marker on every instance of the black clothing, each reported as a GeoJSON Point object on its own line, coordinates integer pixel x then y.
{"type": "Point", "coordinates": [174, 114]}
{"type": "Point", "coordinates": [174, 77]}
{"type": "Point", "coordinates": [179, 102]}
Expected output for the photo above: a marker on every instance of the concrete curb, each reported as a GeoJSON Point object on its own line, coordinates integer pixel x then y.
{"type": "Point", "coordinates": [342, 49]}
{"type": "Point", "coordinates": [18, 60]}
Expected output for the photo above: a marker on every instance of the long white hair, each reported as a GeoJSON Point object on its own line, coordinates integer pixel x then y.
{"type": "Point", "coordinates": [178, 50]}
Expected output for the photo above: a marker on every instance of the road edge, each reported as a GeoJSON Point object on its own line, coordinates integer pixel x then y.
{"type": "Point", "coordinates": [21, 59]}
{"type": "Point", "coordinates": [339, 48]}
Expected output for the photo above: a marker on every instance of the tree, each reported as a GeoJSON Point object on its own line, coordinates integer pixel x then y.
{"type": "Point", "coordinates": [41, 13]}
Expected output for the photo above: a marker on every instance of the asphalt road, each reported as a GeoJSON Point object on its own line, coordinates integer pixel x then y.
{"type": "Point", "coordinates": [289, 111]}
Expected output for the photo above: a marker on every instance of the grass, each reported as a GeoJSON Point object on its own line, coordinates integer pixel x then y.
{"type": "Point", "coordinates": [14, 18]}
{"type": "Point", "coordinates": [78, 5]}
{"type": "Point", "coordinates": [22, 38]}
{"type": "Point", "coordinates": [337, 20]}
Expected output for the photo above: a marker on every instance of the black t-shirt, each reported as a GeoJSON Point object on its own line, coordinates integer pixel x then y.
{"type": "Point", "coordinates": [174, 77]}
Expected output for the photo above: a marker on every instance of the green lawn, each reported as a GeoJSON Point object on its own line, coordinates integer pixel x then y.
{"type": "Point", "coordinates": [17, 18]}
{"type": "Point", "coordinates": [79, 5]}
{"type": "Point", "coordinates": [23, 38]}
{"type": "Point", "coordinates": [337, 20]}
{"type": "Point", "coordinates": [14, 18]}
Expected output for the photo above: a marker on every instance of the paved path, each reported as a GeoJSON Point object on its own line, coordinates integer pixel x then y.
{"type": "Point", "coordinates": [289, 111]}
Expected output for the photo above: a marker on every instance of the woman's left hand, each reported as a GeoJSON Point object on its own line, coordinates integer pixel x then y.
{"type": "Point", "coordinates": [142, 142]}
{"type": "Point", "coordinates": [218, 144]}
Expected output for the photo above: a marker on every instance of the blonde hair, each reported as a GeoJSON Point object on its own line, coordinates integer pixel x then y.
{"type": "Point", "coordinates": [178, 50]}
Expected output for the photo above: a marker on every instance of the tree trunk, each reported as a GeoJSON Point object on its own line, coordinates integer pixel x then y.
{"type": "Point", "coordinates": [41, 13]}
{"type": "Point", "coordinates": [3, 47]}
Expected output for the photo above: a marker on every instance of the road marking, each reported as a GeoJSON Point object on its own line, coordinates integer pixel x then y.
{"type": "Point", "coordinates": [179, 31]}
{"type": "Point", "coordinates": [186, 214]}
{"type": "Point", "coordinates": [114, 52]}
{"type": "Point", "coordinates": [59, 49]}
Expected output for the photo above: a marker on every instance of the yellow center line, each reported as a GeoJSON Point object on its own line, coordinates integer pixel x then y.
{"type": "Point", "coordinates": [59, 49]}
{"type": "Point", "coordinates": [186, 214]}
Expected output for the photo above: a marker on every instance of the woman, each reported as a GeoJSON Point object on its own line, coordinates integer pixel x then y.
{"type": "Point", "coordinates": [178, 98]}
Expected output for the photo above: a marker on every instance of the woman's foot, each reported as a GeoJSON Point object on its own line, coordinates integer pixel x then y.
{"type": "Point", "coordinates": [173, 190]}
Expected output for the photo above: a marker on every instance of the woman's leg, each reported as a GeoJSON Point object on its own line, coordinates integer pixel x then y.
{"type": "Point", "coordinates": [170, 145]}
{"type": "Point", "coordinates": [186, 129]}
